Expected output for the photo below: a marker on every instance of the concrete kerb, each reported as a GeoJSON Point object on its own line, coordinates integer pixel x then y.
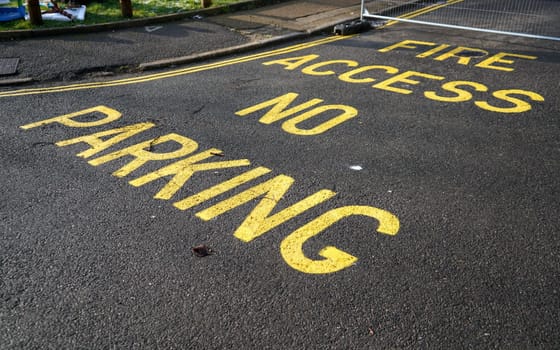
{"type": "Point", "coordinates": [259, 44]}
{"type": "Point", "coordinates": [236, 49]}
{"type": "Point", "coordinates": [16, 81]}
{"type": "Point", "coordinates": [33, 33]}
{"type": "Point", "coordinates": [220, 52]}
{"type": "Point", "coordinates": [245, 47]}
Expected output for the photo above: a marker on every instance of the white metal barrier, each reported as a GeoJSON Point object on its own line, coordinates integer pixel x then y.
{"type": "Point", "coordinates": [526, 18]}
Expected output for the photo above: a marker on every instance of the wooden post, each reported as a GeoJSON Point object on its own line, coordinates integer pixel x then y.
{"type": "Point", "coordinates": [34, 10]}
{"type": "Point", "coordinates": [126, 8]}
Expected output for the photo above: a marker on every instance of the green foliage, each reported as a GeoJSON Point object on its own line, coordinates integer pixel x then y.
{"type": "Point", "coordinates": [107, 11]}
{"type": "Point", "coordinates": [12, 3]}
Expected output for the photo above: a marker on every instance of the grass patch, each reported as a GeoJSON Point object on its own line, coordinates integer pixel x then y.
{"type": "Point", "coordinates": [107, 11]}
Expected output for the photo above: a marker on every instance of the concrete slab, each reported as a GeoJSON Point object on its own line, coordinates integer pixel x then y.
{"type": "Point", "coordinates": [301, 16]}
{"type": "Point", "coordinates": [339, 15]}
{"type": "Point", "coordinates": [8, 66]}
{"type": "Point", "coordinates": [337, 3]}
{"type": "Point", "coordinates": [293, 10]}
{"type": "Point", "coordinates": [237, 22]}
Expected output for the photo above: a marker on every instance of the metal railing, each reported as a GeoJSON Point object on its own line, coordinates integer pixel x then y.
{"type": "Point", "coordinates": [524, 18]}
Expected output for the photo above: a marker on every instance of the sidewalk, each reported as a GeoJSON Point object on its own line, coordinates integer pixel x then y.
{"type": "Point", "coordinates": [88, 53]}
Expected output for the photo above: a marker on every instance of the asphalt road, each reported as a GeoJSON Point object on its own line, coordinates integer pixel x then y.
{"type": "Point", "coordinates": [433, 173]}
{"type": "Point", "coordinates": [74, 56]}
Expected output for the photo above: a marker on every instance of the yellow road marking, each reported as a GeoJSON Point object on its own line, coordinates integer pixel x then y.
{"type": "Point", "coordinates": [204, 67]}
{"type": "Point", "coordinates": [265, 215]}
{"type": "Point", "coordinates": [170, 74]}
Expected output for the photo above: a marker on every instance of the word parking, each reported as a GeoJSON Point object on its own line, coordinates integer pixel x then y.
{"type": "Point", "coordinates": [187, 162]}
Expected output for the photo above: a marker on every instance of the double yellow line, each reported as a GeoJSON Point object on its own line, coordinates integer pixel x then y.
{"type": "Point", "coordinates": [168, 74]}
{"type": "Point", "coordinates": [204, 67]}
{"type": "Point", "coordinates": [421, 12]}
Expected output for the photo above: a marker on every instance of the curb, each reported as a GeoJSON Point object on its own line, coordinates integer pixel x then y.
{"type": "Point", "coordinates": [233, 49]}
{"type": "Point", "coordinates": [220, 52]}
{"type": "Point", "coordinates": [34, 33]}
{"type": "Point", "coordinates": [168, 62]}
{"type": "Point", "coordinates": [17, 81]}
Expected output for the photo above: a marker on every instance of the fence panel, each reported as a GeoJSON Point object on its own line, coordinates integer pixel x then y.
{"type": "Point", "coordinates": [527, 18]}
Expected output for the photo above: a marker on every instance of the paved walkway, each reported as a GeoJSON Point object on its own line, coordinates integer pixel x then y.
{"type": "Point", "coordinates": [83, 53]}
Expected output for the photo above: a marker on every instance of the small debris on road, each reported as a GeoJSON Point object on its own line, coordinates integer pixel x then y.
{"type": "Point", "coordinates": [150, 29]}
{"type": "Point", "coordinates": [350, 28]}
{"type": "Point", "coordinates": [202, 250]}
